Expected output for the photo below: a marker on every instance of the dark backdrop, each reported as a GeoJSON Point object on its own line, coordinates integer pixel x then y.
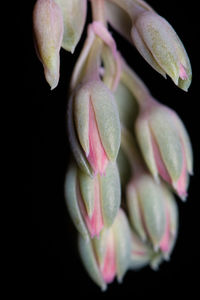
{"type": "Point", "coordinates": [53, 266]}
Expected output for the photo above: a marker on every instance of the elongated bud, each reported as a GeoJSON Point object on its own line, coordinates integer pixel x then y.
{"type": "Point", "coordinates": [74, 17]}
{"type": "Point", "coordinates": [96, 125]}
{"type": "Point", "coordinates": [160, 46]}
{"type": "Point", "coordinates": [109, 255]}
{"type": "Point", "coordinates": [93, 203]}
{"type": "Point", "coordinates": [165, 145]}
{"type": "Point", "coordinates": [147, 209]}
{"type": "Point", "coordinates": [153, 37]}
{"type": "Point", "coordinates": [153, 214]}
{"type": "Point", "coordinates": [48, 35]}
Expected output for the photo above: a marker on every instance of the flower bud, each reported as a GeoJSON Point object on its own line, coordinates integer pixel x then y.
{"type": "Point", "coordinates": [153, 37]}
{"type": "Point", "coordinates": [109, 255]}
{"type": "Point", "coordinates": [147, 209]}
{"type": "Point", "coordinates": [160, 46]}
{"type": "Point", "coordinates": [48, 34]}
{"type": "Point", "coordinates": [165, 145]}
{"type": "Point", "coordinates": [153, 214]}
{"type": "Point", "coordinates": [92, 202]}
{"type": "Point", "coordinates": [95, 129]}
{"type": "Point", "coordinates": [74, 17]}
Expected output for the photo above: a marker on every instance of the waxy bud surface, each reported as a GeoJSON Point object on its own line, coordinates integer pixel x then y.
{"type": "Point", "coordinates": [109, 255]}
{"type": "Point", "coordinates": [48, 35]}
{"type": "Point", "coordinates": [93, 203]}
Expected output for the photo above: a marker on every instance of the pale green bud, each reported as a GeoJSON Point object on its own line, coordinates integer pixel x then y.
{"type": "Point", "coordinates": [74, 17]}
{"type": "Point", "coordinates": [48, 35]}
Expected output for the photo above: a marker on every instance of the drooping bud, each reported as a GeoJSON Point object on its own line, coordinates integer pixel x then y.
{"type": "Point", "coordinates": [165, 145]}
{"type": "Point", "coordinates": [153, 37]}
{"type": "Point", "coordinates": [48, 35]}
{"type": "Point", "coordinates": [147, 209]}
{"type": "Point", "coordinates": [160, 46]}
{"type": "Point", "coordinates": [93, 203]}
{"type": "Point", "coordinates": [74, 17]}
{"type": "Point", "coordinates": [94, 127]}
{"type": "Point", "coordinates": [109, 255]}
{"type": "Point", "coordinates": [153, 214]}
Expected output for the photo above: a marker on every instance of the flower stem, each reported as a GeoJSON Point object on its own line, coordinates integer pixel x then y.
{"type": "Point", "coordinates": [136, 86]}
{"type": "Point", "coordinates": [98, 13]}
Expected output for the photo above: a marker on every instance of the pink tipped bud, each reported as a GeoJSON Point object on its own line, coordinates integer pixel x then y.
{"type": "Point", "coordinates": [159, 44]}
{"type": "Point", "coordinates": [48, 34]}
{"type": "Point", "coordinates": [109, 255]}
{"type": "Point", "coordinates": [93, 203]}
{"type": "Point", "coordinates": [165, 145]}
{"type": "Point", "coordinates": [94, 127]}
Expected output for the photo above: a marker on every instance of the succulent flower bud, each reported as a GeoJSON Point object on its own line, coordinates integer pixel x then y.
{"type": "Point", "coordinates": [93, 203]}
{"type": "Point", "coordinates": [160, 46]}
{"type": "Point", "coordinates": [153, 37]}
{"type": "Point", "coordinates": [48, 35]}
{"type": "Point", "coordinates": [153, 213]}
{"type": "Point", "coordinates": [95, 123]}
{"type": "Point", "coordinates": [109, 255]}
{"type": "Point", "coordinates": [74, 17]}
{"type": "Point", "coordinates": [147, 209]}
{"type": "Point", "coordinates": [165, 145]}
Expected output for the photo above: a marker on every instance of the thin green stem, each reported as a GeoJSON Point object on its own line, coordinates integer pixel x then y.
{"type": "Point", "coordinates": [135, 85]}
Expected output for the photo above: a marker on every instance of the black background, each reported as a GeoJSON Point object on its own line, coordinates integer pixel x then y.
{"type": "Point", "coordinates": [53, 265]}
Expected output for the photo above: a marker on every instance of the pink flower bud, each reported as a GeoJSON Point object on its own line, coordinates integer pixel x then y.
{"type": "Point", "coordinates": [94, 127]}
{"type": "Point", "coordinates": [93, 203]}
{"type": "Point", "coordinates": [165, 145]}
{"type": "Point", "coordinates": [48, 35]}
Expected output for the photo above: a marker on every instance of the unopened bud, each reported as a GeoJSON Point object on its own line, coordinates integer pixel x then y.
{"type": "Point", "coordinates": [153, 213]}
{"type": "Point", "coordinates": [147, 209]}
{"type": "Point", "coordinates": [96, 125]}
{"type": "Point", "coordinates": [109, 255]}
{"type": "Point", "coordinates": [74, 17]}
{"type": "Point", "coordinates": [93, 203]}
{"type": "Point", "coordinates": [160, 46]}
{"type": "Point", "coordinates": [48, 35]}
{"type": "Point", "coordinates": [165, 145]}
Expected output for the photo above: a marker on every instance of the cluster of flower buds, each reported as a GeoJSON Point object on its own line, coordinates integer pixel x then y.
{"type": "Point", "coordinates": [124, 142]}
